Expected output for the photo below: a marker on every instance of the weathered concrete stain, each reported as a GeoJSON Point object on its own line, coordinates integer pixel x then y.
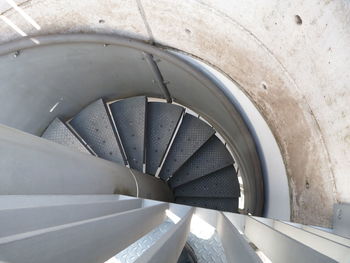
{"type": "Point", "coordinates": [241, 57]}
{"type": "Point", "coordinates": [121, 17]}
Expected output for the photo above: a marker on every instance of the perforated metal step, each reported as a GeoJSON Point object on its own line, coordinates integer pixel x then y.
{"type": "Point", "coordinates": [59, 133]}
{"type": "Point", "coordinates": [130, 118]}
{"type": "Point", "coordinates": [93, 124]}
{"type": "Point", "coordinates": [222, 204]}
{"type": "Point", "coordinates": [162, 119]}
{"type": "Point", "coordinates": [223, 183]}
{"type": "Point", "coordinates": [192, 134]}
{"type": "Point", "coordinates": [212, 156]}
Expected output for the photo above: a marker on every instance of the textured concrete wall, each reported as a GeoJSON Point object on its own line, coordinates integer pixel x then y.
{"type": "Point", "coordinates": [290, 57]}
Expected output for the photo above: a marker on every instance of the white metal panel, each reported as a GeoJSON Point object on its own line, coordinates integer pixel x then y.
{"type": "Point", "coordinates": [278, 247]}
{"type": "Point", "coordinates": [328, 235]}
{"type": "Point", "coordinates": [236, 247]}
{"type": "Point", "coordinates": [28, 201]}
{"type": "Point", "coordinates": [325, 246]}
{"type": "Point", "coordinates": [16, 221]}
{"type": "Point", "coordinates": [237, 220]}
{"type": "Point", "coordinates": [88, 241]}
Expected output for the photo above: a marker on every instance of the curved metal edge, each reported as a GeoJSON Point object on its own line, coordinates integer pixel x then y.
{"type": "Point", "coordinates": [254, 200]}
{"type": "Point", "coordinates": [255, 186]}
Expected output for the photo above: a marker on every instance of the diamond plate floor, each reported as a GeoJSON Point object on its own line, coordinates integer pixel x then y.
{"type": "Point", "coordinates": [207, 250]}
{"type": "Point", "coordinates": [135, 250]}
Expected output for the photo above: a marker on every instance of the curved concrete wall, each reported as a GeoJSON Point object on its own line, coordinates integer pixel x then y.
{"type": "Point", "coordinates": [294, 69]}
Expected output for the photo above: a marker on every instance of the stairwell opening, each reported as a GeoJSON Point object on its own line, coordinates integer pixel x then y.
{"type": "Point", "coordinates": [76, 70]}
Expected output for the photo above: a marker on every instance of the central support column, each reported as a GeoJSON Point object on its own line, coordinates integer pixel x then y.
{"type": "Point", "coordinates": [32, 165]}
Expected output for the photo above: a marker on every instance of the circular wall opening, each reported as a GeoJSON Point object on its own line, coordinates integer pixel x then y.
{"type": "Point", "coordinates": [60, 75]}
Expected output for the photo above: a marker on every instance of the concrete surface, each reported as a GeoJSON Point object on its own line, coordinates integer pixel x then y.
{"type": "Point", "coordinates": [295, 73]}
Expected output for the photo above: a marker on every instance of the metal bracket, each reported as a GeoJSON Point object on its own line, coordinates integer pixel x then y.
{"type": "Point", "coordinates": [158, 76]}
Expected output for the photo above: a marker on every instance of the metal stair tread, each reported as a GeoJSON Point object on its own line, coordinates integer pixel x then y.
{"type": "Point", "coordinates": [222, 183]}
{"type": "Point", "coordinates": [222, 204]}
{"type": "Point", "coordinates": [162, 119]}
{"type": "Point", "coordinates": [212, 156]}
{"type": "Point", "coordinates": [94, 126]}
{"type": "Point", "coordinates": [130, 119]}
{"type": "Point", "coordinates": [192, 134]}
{"type": "Point", "coordinates": [59, 133]}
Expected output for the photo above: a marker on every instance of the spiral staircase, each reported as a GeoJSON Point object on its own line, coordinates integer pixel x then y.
{"type": "Point", "coordinates": [154, 164]}
{"type": "Point", "coordinates": [198, 168]}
